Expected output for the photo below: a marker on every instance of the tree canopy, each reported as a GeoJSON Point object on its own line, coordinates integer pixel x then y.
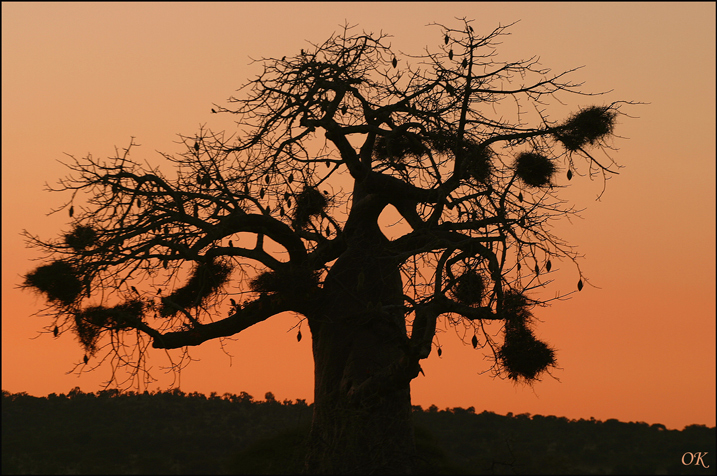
{"type": "Point", "coordinates": [460, 144]}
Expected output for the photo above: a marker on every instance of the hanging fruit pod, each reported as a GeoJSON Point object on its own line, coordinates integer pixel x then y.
{"type": "Point", "coordinates": [439, 352]}
{"type": "Point", "coordinates": [446, 39]}
{"type": "Point", "coordinates": [394, 62]}
{"type": "Point", "coordinates": [548, 265]}
{"type": "Point", "coordinates": [298, 337]}
{"type": "Point", "coordinates": [520, 196]}
{"type": "Point", "coordinates": [570, 174]}
{"type": "Point", "coordinates": [474, 341]}
{"type": "Point", "coordinates": [580, 285]}
{"type": "Point", "coordinates": [450, 55]}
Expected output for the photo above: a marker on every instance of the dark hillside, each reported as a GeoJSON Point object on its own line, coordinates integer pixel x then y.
{"type": "Point", "coordinates": [177, 433]}
{"type": "Point", "coordinates": [493, 444]}
{"type": "Point", "coordinates": [160, 433]}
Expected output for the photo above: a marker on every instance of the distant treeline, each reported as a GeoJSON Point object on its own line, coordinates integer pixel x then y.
{"type": "Point", "coordinates": [173, 432]}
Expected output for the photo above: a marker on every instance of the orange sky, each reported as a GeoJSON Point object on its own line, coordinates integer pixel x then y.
{"type": "Point", "coordinates": [640, 346]}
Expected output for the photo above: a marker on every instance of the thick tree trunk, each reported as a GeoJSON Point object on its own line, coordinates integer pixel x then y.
{"type": "Point", "coordinates": [362, 420]}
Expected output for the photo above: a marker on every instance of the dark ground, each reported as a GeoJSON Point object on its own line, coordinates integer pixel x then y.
{"type": "Point", "coordinates": [176, 433]}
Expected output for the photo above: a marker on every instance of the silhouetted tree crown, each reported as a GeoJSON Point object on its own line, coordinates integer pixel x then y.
{"type": "Point", "coordinates": [460, 144]}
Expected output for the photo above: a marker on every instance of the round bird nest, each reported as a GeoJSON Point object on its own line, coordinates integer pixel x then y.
{"type": "Point", "coordinates": [534, 169]}
{"type": "Point", "coordinates": [115, 317]}
{"type": "Point", "coordinates": [310, 202]}
{"type": "Point", "coordinates": [478, 163]}
{"type": "Point", "coordinates": [516, 310]}
{"type": "Point", "coordinates": [297, 281]}
{"type": "Point", "coordinates": [396, 146]}
{"type": "Point", "coordinates": [524, 356]}
{"type": "Point", "coordinates": [90, 322]}
{"type": "Point", "coordinates": [444, 141]}
{"type": "Point", "coordinates": [206, 280]}
{"type": "Point", "coordinates": [469, 288]}
{"type": "Point", "coordinates": [58, 280]}
{"type": "Point", "coordinates": [87, 332]}
{"type": "Point", "coordinates": [81, 238]}
{"type": "Point", "coordinates": [586, 127]}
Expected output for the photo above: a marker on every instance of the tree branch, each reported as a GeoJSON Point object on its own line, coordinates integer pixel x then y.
{"type": "Point", "coordinates": [252, 313]}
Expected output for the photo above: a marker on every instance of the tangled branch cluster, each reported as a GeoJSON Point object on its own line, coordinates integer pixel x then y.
{"type": "Point", "coordinates": [333, 136]}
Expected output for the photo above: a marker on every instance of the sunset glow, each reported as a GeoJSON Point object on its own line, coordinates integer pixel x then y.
{"type": "Point", "coordinates": [636, 344]}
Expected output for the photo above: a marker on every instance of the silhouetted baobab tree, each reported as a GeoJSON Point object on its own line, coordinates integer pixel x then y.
{"type": "Point", "coordinates": [459, 144]}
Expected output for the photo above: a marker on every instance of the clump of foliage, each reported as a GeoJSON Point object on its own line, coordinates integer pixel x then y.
{"type": "Point", "coordinates": [58, 280]}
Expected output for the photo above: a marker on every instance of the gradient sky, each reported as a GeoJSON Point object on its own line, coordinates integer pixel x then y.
{"type": "Point", "coordinates": [636, 345]}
